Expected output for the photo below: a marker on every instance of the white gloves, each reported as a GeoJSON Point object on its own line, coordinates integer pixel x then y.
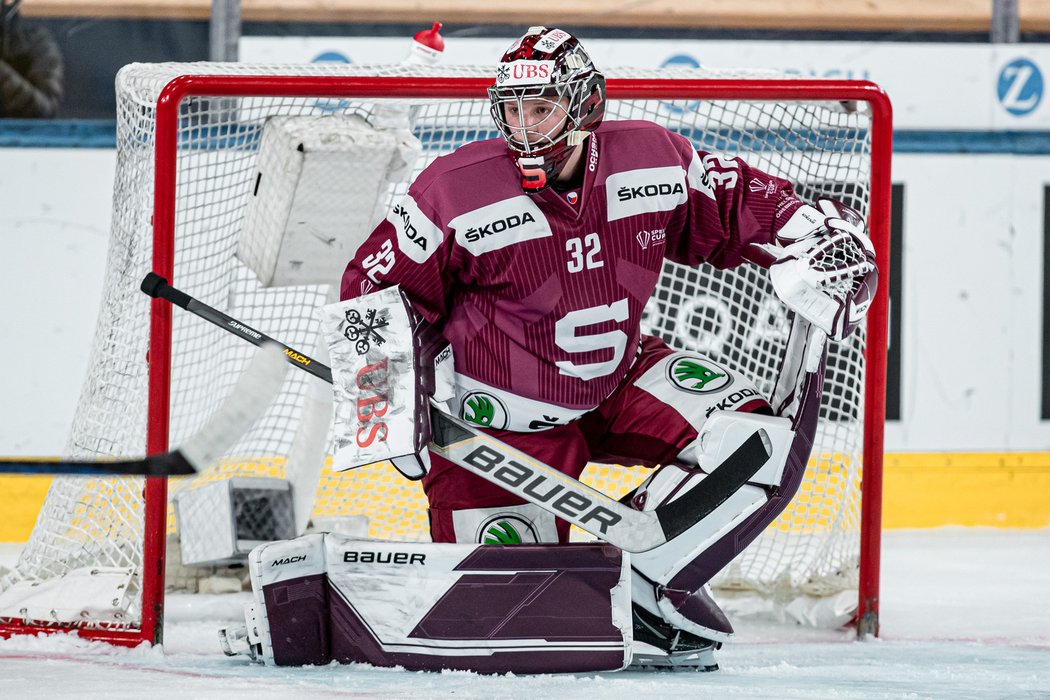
{"type": "Point", "coordinates": [826, 269]}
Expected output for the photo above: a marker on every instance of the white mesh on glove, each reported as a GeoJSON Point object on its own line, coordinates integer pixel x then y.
{"type": "Point", "coordinates": [826, 270]}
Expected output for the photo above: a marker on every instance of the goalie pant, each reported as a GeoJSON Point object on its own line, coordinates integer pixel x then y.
{"type": "Point", "coordinates": [654, 418]}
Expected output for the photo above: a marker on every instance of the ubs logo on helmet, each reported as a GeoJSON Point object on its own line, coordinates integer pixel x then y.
{"type": "Point", "coordinates": [524, 72]}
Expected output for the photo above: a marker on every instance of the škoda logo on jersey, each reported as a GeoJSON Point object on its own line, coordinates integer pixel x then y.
{"type": "Point", "coordinates": [417, 236]}
{"type": "Point", "coordinates": [626, 194]}
{"type": "Point", "coordinates": [499, 225]}
{"type": "Point", "coordinates": [644, 191]}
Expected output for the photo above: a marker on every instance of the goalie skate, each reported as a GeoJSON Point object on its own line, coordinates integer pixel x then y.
{"type": "Point", "coordinates": [658, 646]}
{"type": "Point", "coordinates": [243, 639]}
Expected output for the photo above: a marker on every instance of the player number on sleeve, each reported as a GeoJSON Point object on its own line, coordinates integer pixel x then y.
{"type": "Point", "coordinates": [567, 338]}
{"type": "Point", "coordinates": [380, 262]}
{"type": "Point", "coordinates": [583, 252]}
{"type": "Point", "coordinates": [727, 177]}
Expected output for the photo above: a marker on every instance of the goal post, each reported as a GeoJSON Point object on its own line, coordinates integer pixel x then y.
{"type": "Point", "coordinates": [188, 140]}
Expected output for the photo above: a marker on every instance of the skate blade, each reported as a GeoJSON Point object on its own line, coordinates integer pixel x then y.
{"type": "Point", "coordinates": [646, 657]}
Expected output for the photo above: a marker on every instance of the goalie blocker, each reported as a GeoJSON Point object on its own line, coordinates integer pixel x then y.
{"type": "Point", "coordinates": [388, 364]}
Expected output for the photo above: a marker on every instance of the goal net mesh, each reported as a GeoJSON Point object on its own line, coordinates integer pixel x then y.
{"type": "Point", "coordinates": [823, 147]}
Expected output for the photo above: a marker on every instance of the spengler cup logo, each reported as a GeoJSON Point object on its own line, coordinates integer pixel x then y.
{"type": "Point", "coordinates": [698, 375]}
{"type": "Point", "coordinates": [484, 409]}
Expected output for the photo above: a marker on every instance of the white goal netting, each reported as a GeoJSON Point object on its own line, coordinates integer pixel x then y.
{"type": "Point", "coordinates": [91, 523]}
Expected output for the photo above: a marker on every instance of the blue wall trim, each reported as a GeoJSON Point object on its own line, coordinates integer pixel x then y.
{"type": "Point", "coordinates": [27, 133]}
{"type": "Point", "coordinates": [73, 133]}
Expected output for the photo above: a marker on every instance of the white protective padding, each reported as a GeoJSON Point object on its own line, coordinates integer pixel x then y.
{"type": "Point", "coordinates": [317, 191]}
{"type": "Point", "coordinates": [725, 431]}
{"type": "Point", "coordinates": [96, 593]}
{"type": "Point", "coordinates": [373, 378]}
{"type": "Point", "coordinates": [279, 561]}
{"type": "Point", "coordinates": [425, 605]}
{"type": "Point", "coordinates": [721, 435]}
{"type": "Point", "coordinates": [662, 563]}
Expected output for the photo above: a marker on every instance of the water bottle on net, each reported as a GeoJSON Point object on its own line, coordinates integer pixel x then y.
{"type": "Point", "coordinates": [426, 50]}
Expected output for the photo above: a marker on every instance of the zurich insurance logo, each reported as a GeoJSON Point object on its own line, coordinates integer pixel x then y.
{"type": "Point", "coordinates": [1020, 87]}
{"type": "Point", "coordinates": [331, 105]}
{"type": "Point", "coordinates": [681, 60]}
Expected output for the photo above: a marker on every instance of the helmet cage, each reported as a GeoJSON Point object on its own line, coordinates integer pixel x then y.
{"type": "Point", "coordinates": [572, 86]}
{"type": "Point", "coordinates": [542, 138]}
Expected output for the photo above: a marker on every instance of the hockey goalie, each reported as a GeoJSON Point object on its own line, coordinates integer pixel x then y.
{"type": "Point", "coordinates": [506, 289]}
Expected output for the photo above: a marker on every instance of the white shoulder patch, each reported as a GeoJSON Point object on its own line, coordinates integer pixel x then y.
{"type": "Point", "coordinates": [499, 225]}
{"type": "Point", "coordinates": [417, 236]}
{"type": "Point", "coordinates": [645, 190]}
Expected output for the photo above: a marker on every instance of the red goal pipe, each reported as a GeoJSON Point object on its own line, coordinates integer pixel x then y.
{"type": "Point", "coordinates": [363, 87]}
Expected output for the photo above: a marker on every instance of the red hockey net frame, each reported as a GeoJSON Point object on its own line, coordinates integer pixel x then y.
{"type": "Point", "coordinates": [189, 86]}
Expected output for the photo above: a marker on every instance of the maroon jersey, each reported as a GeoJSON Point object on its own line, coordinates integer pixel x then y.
{"type": "Point", "coordinates": [541, 298]}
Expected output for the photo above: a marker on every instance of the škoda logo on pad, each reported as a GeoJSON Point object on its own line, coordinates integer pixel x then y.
{"type": "Point", "coordinates": [698, 375]}
{"type": "Point", "coordinates": [485, 410]}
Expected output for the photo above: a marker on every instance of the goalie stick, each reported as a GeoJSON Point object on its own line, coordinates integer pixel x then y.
{"type": "Point", "coordinates": [528, 478]}
{"type": "Point", "coordinates": [255, 390]}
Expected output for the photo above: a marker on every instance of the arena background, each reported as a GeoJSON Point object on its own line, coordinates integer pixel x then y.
{"type": "Point", "coordinates": [968, 424]}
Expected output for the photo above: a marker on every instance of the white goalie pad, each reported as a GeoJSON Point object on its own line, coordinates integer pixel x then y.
{"type": "Point", "coordinates": [725, 431]}
{"type": "Point", "coordinates": [315, 194]}
{"type": "Point", "coordinates": [488, 609]}
{"type": "Point", "coordinates": [722, 434]}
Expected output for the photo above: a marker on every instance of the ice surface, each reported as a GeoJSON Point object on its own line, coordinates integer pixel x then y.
{"type": "Point", "coordinates": [964, 615]}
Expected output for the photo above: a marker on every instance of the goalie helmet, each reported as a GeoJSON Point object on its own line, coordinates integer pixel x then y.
{"type": "Point", "coordinates": [548, 66]}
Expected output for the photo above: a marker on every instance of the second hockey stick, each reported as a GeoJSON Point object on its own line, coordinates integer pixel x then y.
{"type": "Point", "coordinates": [524, 476]}
{"type": "Point", "coordinates": [254, 392]}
